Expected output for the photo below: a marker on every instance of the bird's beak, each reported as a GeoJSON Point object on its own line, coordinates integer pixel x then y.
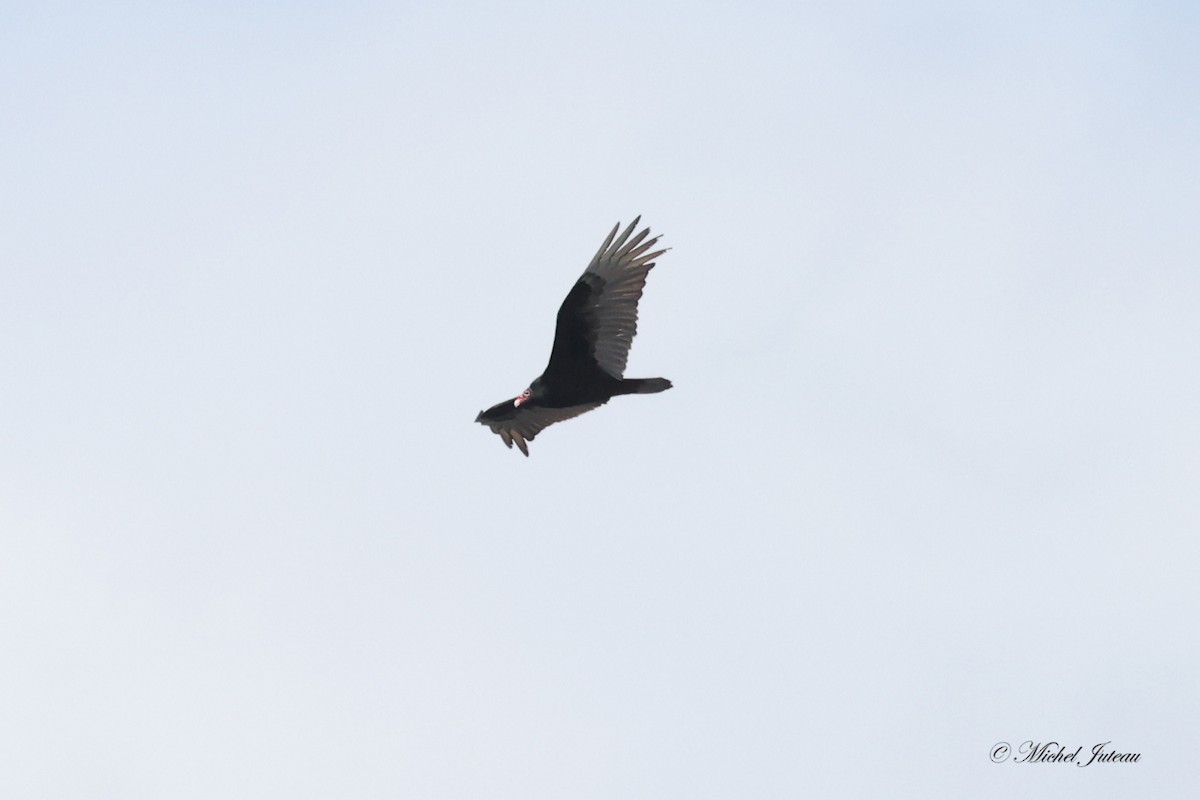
{"type": "Point", "coordinates": [518, 401]}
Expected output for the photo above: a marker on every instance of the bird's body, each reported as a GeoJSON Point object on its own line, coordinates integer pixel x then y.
{"type": "Point", "coordinates": [596, 325]}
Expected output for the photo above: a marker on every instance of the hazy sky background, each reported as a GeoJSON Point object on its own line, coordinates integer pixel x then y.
{"type": "Point", "coordinates": [927, 480]}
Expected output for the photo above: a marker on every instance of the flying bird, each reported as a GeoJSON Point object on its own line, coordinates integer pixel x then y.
{"type": "Point", "coordinates": [596, 326]}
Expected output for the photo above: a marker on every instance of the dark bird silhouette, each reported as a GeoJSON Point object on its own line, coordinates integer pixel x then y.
{"type": "Point", "coordinates": [596, 326]}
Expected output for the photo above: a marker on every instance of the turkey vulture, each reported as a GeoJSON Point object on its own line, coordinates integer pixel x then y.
{"type": "Point", "coordinates": [596, 326]}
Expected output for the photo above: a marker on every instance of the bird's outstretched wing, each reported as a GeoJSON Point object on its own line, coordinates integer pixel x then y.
{"type": "Point", "coordinates": [526, 422]}
{"type": "Point", "coordinates": [598, 320]}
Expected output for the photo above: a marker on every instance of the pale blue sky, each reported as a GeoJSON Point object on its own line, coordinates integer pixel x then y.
{"type": "Point", "coordinates": [926, 482]}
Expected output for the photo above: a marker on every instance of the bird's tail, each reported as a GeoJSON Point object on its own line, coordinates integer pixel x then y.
{"type": "Point", "coordinates": [644, 385]}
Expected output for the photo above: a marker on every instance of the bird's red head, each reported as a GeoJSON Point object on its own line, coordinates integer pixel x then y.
{"type": "Point", "coordinates": [524, 396]}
